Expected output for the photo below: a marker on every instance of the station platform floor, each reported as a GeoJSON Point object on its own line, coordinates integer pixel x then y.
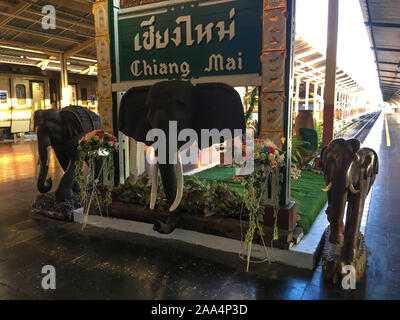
{"type": "Point", "coordinates": [104, 264]}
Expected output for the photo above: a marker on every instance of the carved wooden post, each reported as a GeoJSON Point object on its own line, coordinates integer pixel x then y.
{"type": "Point", "coordinates": [277, 80]}
{"type": "Point", "coordinates": [100, 12]}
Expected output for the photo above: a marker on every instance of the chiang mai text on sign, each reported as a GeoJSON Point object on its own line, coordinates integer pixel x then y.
{"type": "Point", "coordinates": [190, 40]}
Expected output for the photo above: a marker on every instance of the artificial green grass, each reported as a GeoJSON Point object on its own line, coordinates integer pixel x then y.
{"type": "Point", "coordinates": [221, 174]}
{"type": "Point", "coordinates": [306, 191]}
{"type": "Point", "coordinates": [309, 198]}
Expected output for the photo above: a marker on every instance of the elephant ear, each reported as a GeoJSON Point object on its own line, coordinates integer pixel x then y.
{"type": "Point", "coordinates": [371, 156]}
{"type": "Point", "coordinates": [218, 106]}
{"type": "Point", "coordinates": [38, 118]}
{"type": "Point", "coordinates": [133, 113]}
{"type": "Point", "coordinates": [323, 158]}
{"type": "Point", "coordinates": [353, 144]}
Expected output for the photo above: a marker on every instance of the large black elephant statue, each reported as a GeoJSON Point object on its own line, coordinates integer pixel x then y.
{"type": "Point", "coordinates": [349, 172]}
{"type": "Point", "coordinates": [62, 129]}
{"type": "Point", "coordinates": [202, 106]}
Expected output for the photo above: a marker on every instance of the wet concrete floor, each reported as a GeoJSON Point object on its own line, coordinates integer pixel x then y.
{"type": "Point", "coordinates": [105, 264]}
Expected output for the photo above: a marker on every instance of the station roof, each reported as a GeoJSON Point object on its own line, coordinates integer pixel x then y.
{"type": "Point", "coordinates": [24, 41]}
{"type": "Point", "coordinates": [310, 66]}
{"type": "Point", "coordinates": [382, 19]}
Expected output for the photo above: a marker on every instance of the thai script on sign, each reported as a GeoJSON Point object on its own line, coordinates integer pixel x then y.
{"type": "Point", "coordinates": [151, 38]}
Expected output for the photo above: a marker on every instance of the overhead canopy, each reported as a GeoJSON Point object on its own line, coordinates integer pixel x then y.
{"type": "Point", "coordinates": [24, 41]}
{"type": "Point", "coordinates": [310, 66]}
{"type": "Point", "coordinates": [382, 19]}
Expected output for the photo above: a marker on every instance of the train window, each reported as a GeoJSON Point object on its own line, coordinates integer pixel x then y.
{"type": "Point", "coordinates": [83, 94]}
{"type": "Point", "coordinates": [20, 91]}
{"type": "Point", "coordinates": [3, 96]}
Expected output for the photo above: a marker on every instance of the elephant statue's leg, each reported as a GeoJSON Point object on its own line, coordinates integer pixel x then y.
{"type": "Point", "coordinates": [64, 190]}
{"type": "Point", "coordinates": [64, 159]}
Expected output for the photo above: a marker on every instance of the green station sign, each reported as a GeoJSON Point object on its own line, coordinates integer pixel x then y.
{"type": "Point", "coordinates": [190, 39]}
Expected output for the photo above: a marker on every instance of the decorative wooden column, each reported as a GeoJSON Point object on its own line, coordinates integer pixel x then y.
{"type": "Point", "coordinates": [104, 90]}
{"type": "Point", "coordinates": [277, 80]}
{"type": "Point", "coordinates": [330, 72]}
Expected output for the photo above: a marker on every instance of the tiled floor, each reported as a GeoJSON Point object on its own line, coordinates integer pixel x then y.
{"type": "Point", "coordinates": [99, 264]}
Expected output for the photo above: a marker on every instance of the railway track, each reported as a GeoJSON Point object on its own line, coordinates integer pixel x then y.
{"type": "Point", "coordinates": [360, 127]}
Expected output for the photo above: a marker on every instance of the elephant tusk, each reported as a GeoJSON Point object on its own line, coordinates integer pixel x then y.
{"type": "Point", "coordinates": [179, 188]}
{"type": "Point", "coordinates": [328, 187]}
{"type": "Point", "coordinates": [353, 190]}
{"type": "Point", "coordinates": [154, 187]}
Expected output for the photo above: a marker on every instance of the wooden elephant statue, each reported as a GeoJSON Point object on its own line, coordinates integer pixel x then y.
{"type": "Point", "coordinates": [349, 172]}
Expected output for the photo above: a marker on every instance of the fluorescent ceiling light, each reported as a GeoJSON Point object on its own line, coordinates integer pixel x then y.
{"type": "Point", "coordinates": [84, 59]}
{"type": "Point", "coordinates": [21, 49]}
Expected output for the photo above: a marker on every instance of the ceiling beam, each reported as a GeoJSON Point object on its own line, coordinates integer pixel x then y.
{"type": "Point", "coordinates": [388, 62]}
{"type": "Point", "coordinates": [20, 7]}
{"type": "Point", "coordinates": [383, 25]}
{"type": "Point", "coordinates": [64, 20]}
{"type": "Point", "coordinates": [41, 34]}
{"type": "Point", "coordinates": [387, 77]}
{"type": "Point", "coordinates": [16, 45]}
{"type": "Point", "coordinates": [305, 54]}
{"type": "Point", "coordinates": [303, 64]}
{"type": "Point", "coordinates": [35, 21]}
{"type": "Point", "coordinates": [386, 49]}
{"type": "Point", "coordinates": [20, 46]}
{"type": "Point", "coordinates": [60, 12]}
{"type": "Point", "coordinates": [390, 71]}
{"type": "Point", "coordinates": [79, 48]}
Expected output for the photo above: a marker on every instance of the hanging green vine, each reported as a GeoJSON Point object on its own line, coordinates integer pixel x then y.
{"type": "Point", "coordinates": [260, 188]}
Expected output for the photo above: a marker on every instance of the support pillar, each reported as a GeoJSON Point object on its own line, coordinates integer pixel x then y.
{"type": "Point", "coordinates": [64, 81]}
{"type": "Point", "coordinates": [330, 72]}
{"type": "Point", "coordinates": [307, 95]}
{"type": "Point", "coordinates": [296, 101]}
{"type": "Point", "coordinates": [315, 97]}
{"type": "Point", "coordinates": [322, 102]}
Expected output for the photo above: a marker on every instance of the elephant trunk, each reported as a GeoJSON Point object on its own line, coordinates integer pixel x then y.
{"type": "Point", "coordinates": [44, 185]}
{"type": "Point", "coordinates": [335, 212]}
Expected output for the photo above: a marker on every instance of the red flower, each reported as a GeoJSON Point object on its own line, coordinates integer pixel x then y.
{"type": "Point", "coordinates": [112, 138]}
{"type": "Point", "coordinates": [244, 143]}
{"type": "Point", "coordinates": [273, 163]}
{"type": "Point", "coordinates": [271, 150]}
{"type": "Point", "coordinates": [100, 135]}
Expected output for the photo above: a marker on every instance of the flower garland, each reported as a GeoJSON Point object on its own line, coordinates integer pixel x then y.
{"type": "Point", "coordinates": [94, 146]}
{"type": "Point", "coordinates": [264, 181]}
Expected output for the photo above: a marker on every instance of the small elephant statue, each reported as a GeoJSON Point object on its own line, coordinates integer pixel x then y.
{"type": "Point", "coordinates": [349, 172]}
{"type": "Point", "coordinates": [62, 129]}
{"type": "Point", "coordinates": [202, 106]}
